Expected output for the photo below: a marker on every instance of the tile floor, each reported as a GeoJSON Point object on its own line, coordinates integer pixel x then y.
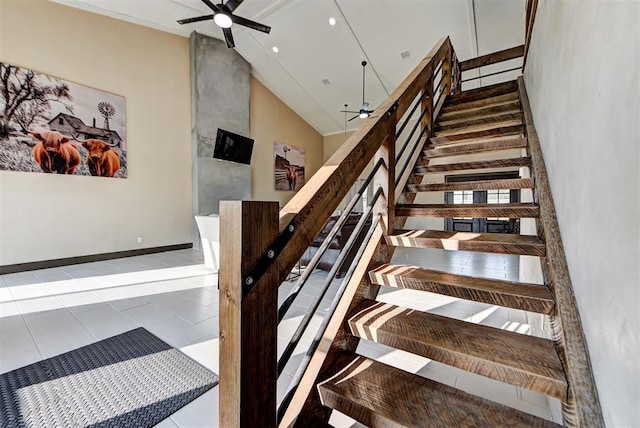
{"type": "Point", "coordinates": [47, 312]}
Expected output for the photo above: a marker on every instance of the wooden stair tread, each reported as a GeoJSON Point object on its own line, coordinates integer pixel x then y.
{"type": "Point", "coordinates": [520, 210]}
{"type": "Point", "coordinates": [516, 295]}
{"type": "Point", "coordinates": [483, 92]}
{"type": "Point", "coordinates": [501, 243]}
{"type": "Point", "coordinates": [479, 111]}
{"type": "Point", "coordinates": [511, 96]}
{"type": "Point", "coordinates": [485, 146]}
{"type": "Point", "coordinates": [503, 131]}
{"type": "Point", "coordinates": [379, 395]}
{"type": "Point", "coordinates": [514, 114]}
{"type": "Point", "coordinates": [479, 127]}
{"type": "Point", "coordinates": [468, 166]}
{"type": "Point", "coordinates": [517, 359]}
{"type": "Point", "coordinates": [512, 183]}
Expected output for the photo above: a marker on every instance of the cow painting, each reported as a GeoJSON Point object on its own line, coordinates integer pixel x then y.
{"type": "Point", "coordinates": [55, 153]}
{"type": "Point", "coordinates": [102, 160]}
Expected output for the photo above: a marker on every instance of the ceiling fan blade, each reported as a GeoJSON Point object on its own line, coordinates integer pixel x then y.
{"type": "Point", "coordinates": [354, 117]}
{"type": "Point", "coordinates": [233, 4]}
{"type": "Point", "coordinates": [250, 24]}
{"type": "Point", "coordinates": [196, 19]}
{"type": "Point", "coordinates": [348, 111]}
{"type": "Point", "coordinates": [211, 6]}
{"type": "Point", "coordinates": [228, 37]}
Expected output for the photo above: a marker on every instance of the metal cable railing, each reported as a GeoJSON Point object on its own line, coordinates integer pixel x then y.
{"type": "Point", "coordinates": [313, 307]}
{"type": "Point", "coordinates": [323, 326]}
{"type": "Point", "coordinates": [284, 307]}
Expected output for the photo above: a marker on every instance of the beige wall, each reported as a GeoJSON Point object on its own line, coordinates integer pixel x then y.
{"type": "Point", "coordinates": [44, 216]}
{"type": "Point", "coordinates": [331, 143]}
{"type": "Point", "coordinates": [272, 120]}
{"type": "Point", "coordinates": [582, 80]}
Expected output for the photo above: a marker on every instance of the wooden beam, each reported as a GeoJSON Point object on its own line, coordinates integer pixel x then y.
{"type": "Point", "coordinates": [465, 149]}
{"type": "Point", "coordinates": [492, 58]}
{"type": "Point", "coordinates": [583, 407]}
{"type": "Point", "coordinates": [248, 326]}
{"type": "Point", "coordinates": [517, 295]}
{"type": "Point", "coordinates": [470, 166]}
{"type": "Point", "coordinates": [467, 210]}
{"type": "Point", "coordinates": [408, 400]}
{"type": "Point", "coordinates": [518, 359]}
{"type": "Point", "coordinates": [510, 183]}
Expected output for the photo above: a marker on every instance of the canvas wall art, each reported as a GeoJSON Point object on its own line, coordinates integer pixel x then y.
{"type": "Point", "coordinates": [289, 166]}
{"type": "Point", "coordinates": [50, 125]}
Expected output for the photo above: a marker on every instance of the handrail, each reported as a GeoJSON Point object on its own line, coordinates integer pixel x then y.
{"type": "Point", "coordinates": [492, 58]}
{"type": "Point", "coordinates": [582, 407]}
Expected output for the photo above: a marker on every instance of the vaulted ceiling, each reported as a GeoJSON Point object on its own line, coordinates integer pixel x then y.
{"type": "Point", "coordinates": [317, 68]}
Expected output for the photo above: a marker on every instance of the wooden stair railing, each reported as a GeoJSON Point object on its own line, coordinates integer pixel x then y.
{"type": "Point", "coordinates": [332, 375]}
{"type": "Point", "coordinates": [257, 255]}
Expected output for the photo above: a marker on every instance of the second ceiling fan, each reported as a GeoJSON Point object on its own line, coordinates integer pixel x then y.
{"type": "Point", "coordinates": [364, 111]}
{"type": "Point", "coordinates": [223, 16]}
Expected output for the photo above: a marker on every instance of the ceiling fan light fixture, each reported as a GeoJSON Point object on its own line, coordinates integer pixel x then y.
{"type": "Point", "coordinates": [363, 115]}
{"type": "Point", "coordinates": [222, 20]}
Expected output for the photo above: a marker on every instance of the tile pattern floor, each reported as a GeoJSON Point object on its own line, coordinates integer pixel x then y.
{"type": "Point", "coordinates": [51, 311]}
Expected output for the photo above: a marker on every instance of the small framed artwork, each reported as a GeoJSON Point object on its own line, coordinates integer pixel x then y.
{"type": "Point", "coordinates": [54, 126]}
{"type": "Point", "coordinates": [288, 166]}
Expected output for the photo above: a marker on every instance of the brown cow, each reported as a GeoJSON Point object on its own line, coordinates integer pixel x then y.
{"type": "Point", "coordinates": [101, 160]}
{"type": "Point", "coordinates": [54, 153]}
{"type": "Point", "coordinates": [292, 176]}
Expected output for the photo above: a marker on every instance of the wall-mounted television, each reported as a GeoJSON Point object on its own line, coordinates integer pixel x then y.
{"type": "Point", "coordinates": [233, 147]}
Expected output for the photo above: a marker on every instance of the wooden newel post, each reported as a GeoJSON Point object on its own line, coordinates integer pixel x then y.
{"type": "Point", "coordinates": [386, 175]}
{"type": "Point", "coordinates": [248, 325]}
{"type": "Point", "coordinates": [427, 104]}
{"type": "Point", "coordinates": [446, 72]}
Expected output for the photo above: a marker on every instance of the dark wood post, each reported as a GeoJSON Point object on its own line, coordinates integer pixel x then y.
{"type": "Point", "coordinates": [248, 325]}
{"type": "Point", "coordinates": [386, 175]}
{"type": "Point", "coordinates": [427, 104]}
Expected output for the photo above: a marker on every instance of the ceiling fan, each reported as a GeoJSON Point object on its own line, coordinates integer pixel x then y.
{"type": "Point", "coordinates": [364, 111]}
{"type": "Point", "coordinates": [223, 17]}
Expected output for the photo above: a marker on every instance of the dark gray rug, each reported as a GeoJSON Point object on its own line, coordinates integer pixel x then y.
{"type": "Point", "coordinates": [130, 380]}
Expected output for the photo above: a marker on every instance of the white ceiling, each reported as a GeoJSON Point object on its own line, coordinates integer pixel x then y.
{"type": "Point", "coordinates": [310, 50]}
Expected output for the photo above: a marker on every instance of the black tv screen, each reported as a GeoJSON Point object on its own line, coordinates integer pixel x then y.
{"type": "Point", "coordinates": [233, 147]}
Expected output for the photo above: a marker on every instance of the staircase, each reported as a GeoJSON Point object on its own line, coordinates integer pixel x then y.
{"type": "Point", "coordinates": [472, 122]}
{"type": "Point", "coordinates": [261, 245]}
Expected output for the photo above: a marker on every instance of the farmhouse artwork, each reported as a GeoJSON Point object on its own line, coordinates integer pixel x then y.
{"type": "Point", "coordinates": [289, 166]}
{"type": "Point", "coordinates": [49, 125]}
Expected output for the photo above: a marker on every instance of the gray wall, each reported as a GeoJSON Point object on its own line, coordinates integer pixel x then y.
{"type": "Point", "coordinates": [582, 78]}
{"type": "Point", "coordinates": [220, 90]}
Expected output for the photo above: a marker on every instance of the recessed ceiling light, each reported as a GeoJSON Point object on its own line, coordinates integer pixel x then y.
{"type": "Point", "coordinates": [332, 21]}
{"type": "Point", "coordinates": [325, 81]}
{"type": "Point", "coordinates": [275, 49]}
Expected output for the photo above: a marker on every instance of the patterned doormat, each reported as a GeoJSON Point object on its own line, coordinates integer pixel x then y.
{"type": "Point", "coordinates": [130, 380]}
